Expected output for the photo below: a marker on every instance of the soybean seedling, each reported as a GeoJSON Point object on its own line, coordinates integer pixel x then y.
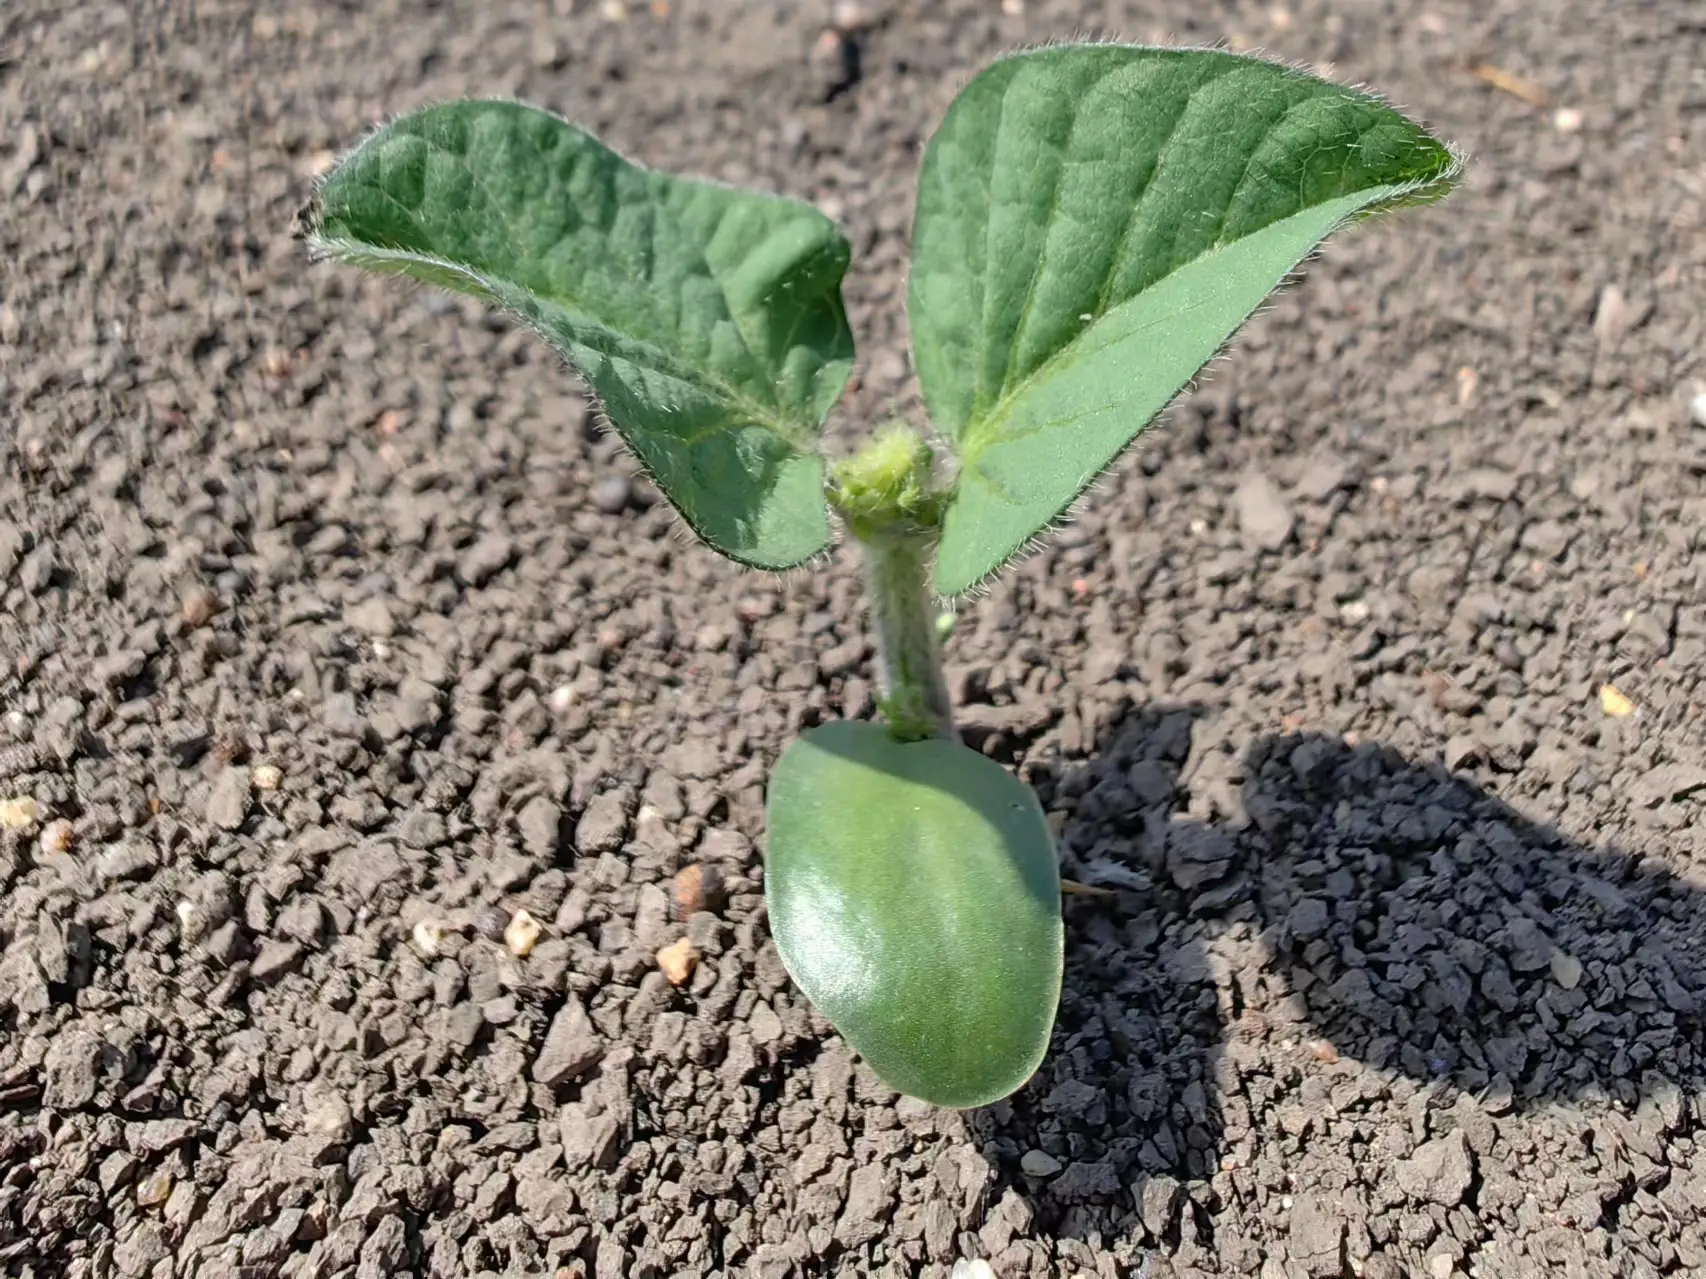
{"type": "Point", "coordinates": [1093, 223]}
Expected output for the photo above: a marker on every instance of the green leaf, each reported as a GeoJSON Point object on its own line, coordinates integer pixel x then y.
{"type": "Point", "coordinates": [707, 320]}
{"type": "Point", "coordinates": [914, 895]}
{"type": "Point", "coordinates": [1093, 222]}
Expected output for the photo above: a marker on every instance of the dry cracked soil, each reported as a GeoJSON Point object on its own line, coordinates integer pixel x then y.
{"type": "Point", "coordinates": [334, 634]}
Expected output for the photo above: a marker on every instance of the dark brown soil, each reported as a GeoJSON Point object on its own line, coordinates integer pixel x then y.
{"type": "Point", "coordinates": [1406, 973]}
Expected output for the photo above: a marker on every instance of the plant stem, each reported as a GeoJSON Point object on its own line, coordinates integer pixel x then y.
{"type": "Point", "coordinates": [886, 494]}
{"type": "Point", "coordinates": [915, 697]}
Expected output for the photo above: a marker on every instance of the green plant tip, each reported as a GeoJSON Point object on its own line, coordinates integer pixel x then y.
{"type": "Point", "coordinates": [885, 489]}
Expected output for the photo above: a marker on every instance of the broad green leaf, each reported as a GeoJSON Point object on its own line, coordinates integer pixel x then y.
{"type": "Point", "coordinates": [707, 320]}
{"type": "Point", "coordinates": [914, 896]}
{"type": "Point", "coordinates": [1093, 223]}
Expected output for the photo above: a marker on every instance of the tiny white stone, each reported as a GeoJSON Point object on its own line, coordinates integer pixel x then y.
{"type": "Point", "coordinates": [1038, 1163]}
{"type": "Point", "coordinates": [522, 934]}
{"type": "Point", "coordinates": [561, 699]}
{"type": "Point", "coordinates": [56, 837]}
{"type": "Point", "coordinates": [1567, 120]}
{"type": "Point", "coordinates": [267, 777]}
{"type": "Point", "coordinates": [849, 15]}
{"type": "Point", "coordinates": [19, 813]}
{"type": "Point", "coordinates": [381, 651]}
{"type": "Point", "coordinates": [1697, 409]}
{"type": "Point", "coordinates": [1566, 969]}
{"type": "Point", "coordinates": [427, 935]}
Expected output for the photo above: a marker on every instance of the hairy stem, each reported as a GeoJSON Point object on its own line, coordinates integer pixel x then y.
{"type": "Point", "coordinates": [886, 494]}
{"type": "Point", "coordinates": [915, 693]}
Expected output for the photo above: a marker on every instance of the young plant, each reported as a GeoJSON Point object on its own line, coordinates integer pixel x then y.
{"type": "Point", "coordinates": [1093, 223]}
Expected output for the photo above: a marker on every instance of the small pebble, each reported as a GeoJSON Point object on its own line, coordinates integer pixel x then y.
{"type": "Point", "coordinates": [1697, 409]}
{"type": "Point", "coordinates": [154, 1189]}
{"type": "Point", "coordinates": [696, 887]}
{"type": "Point", "coordinates": [268, 777]}
{"type": "Point", "coordinates": [678, 960]}
{"type": "Point", "coordinates": [56, 837]}
{"type": "Point", "coordinates": [230, 750]}
{"type": "Point", "coordinates": [1440, 1265]}
{"type": "Point", "coordinates": [562, 698]}
{"type": "Point", "coordinates": [1567, 120]}
{"type": "Point", "coordinates": [1566, 969]}
{"type": "Point", "coordinates": [1613, 702]}
{"type": "Point", "coordinates": [850, 16]}
{"type": "Point", "coordinates": [522, 934]}
{"type": "Point", "coordinates": [200, 605]}
{"type": "Point", "coordinates": [1038, 1163]}
{"type": "Point", "coordinates": [491, 925]}
{"type": "Point", "coordinates": [19, 813]}
{"type": "Point", "coordinates": [428, 934]}
{"type": "Point", "coordinates": [612, 493]}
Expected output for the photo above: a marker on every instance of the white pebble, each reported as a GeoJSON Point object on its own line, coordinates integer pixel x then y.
{"type": "Point", "coordinates": [56, 837]}
{"type": "Point", "coordinates": [522, 934]}
{"type": "Point", "coordinates": [561, 699]}
{"type": "Point", "coordinates": [427, 936]}
{"type": "Point", "coordinates": [1567, 120]}
{"type": "Point", "coordinates": [1697, 409]}
{"type": "Point", "coordinates": [19, 813]}
{"type": "Point", "coordinates": [268, 777]}
{"type": "Point", "coordinates": [849, 15]}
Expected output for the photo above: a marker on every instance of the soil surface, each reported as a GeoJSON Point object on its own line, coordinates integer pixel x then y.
{"type": "Point", "coordinates": [337, 636]}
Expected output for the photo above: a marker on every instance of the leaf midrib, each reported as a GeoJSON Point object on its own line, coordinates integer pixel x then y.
{"type": "Point", "coordinates": [1126, 233]}
{"type": "Point", "coordinates": [982, 434]}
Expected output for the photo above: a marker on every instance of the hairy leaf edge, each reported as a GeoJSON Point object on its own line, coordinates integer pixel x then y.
{"type": "Point", "coordinates": [1419, 193]}
{"type": "Point", "coordinates": [394, 263]}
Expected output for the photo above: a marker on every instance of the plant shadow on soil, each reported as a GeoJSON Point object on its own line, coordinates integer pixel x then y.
{"type": "Point", "coordinates": [1367, 907]}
